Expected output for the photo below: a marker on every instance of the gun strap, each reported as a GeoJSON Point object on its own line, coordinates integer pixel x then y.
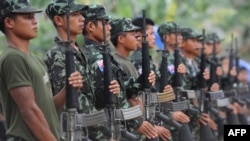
{"type": "Point", "coordinates": [92, 119]}
{"type": "Point", "coordinates": [165, 96]}
{"type": "Point", "coordinates": [127, 114]}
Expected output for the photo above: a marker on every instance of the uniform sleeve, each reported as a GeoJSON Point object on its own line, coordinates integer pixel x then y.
{"type": "Point", "coordinates": [55, 62]}
{"type": "Point", "coordinates": [15, 72]}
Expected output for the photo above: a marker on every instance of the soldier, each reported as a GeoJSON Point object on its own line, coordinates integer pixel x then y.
{"type": "Point", "coordinates": [123, 37]}
{"type": "Point", "coordinates": [167, 33]}
{"type": "Point", "coordinates": [94, 37]}
{"type": "Point", "coordinates": [28, 105]}
{"type": "Point", "coordinates": [55, 57]}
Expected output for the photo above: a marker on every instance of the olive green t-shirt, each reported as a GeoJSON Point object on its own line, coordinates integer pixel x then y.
{"type": "Point", "coordinates": [18, 69]}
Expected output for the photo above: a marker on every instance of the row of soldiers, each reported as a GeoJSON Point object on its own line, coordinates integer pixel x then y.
{"type": "Point", "coordinates": [30, 112]}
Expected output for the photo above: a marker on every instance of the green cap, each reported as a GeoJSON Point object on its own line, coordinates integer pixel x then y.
{"type": "Point", "coordinates": [122, 25]}
{"type": "Point", "coordinates": [167, 28]}
{"type": "Point", "coordinates": [59, 7]}
{"type": "Point", "coordinates": [211, 37]}
{"type": "Point", "coordinates": [16, 6]}
{"type": "Point", "coordinates": [95, 12]}
{"type": "Point", "coordinates": [188, 33]}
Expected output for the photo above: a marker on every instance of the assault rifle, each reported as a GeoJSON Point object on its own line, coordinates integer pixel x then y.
{"type": "Point", "coordinates": [205, 131]}
{"type": "Point", "coordinates": [165, 97]}
{"type": "Point", "coordinates": [75, 124]}
{"type": "Point", "coordinates": [149, 103]}
{"type": "Point", "coordinates": [180, 103]}
{"type": "Point", "coordinates": [115, 115]}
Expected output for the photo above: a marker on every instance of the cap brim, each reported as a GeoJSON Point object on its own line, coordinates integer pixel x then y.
{"type": "Point", "coordinates": [106, 17]}
{"type": "Point", "coordinates": [78, 7]}
{"type": "Point", "coordinates": [134, 28]}
{"type": "Point", "coordinates": [27, 9]}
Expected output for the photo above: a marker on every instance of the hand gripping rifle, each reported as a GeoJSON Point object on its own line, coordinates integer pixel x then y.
{"type": "Point", "coordinates": [149, 104]}
{"type": "Point", "coordinates": [115, 116]}
{"type": "Point", "coordinates": [205, 131]}
{"type": "Point", "coordinates": [73, 123]}
{"type": "Point", "coordinates": [180, 103]}
{"type": "Point", "coordinates": [165, 97]}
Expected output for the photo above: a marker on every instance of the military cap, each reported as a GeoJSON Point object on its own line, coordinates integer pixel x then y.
{"type": "Point", "coordinates": [59, 7]}
{"type": "Point", "coordinates": [122, 25]}
{"type": "Point", "coordinates": [95, 12]}
{"type": "Point", "coordinates": [188, 33]}
{"type": "Point", "coordinates": [211, 37]}
{"type": "Point", "coordinates": [167, 28]}
{"type": "Point", "coordinates": [16, 6]}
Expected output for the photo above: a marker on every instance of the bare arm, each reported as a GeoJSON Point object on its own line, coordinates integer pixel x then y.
{"type": "Point", "coordinates": [31, 113]}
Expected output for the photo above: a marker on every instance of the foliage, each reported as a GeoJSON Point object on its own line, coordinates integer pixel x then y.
{"type": "Point", "coordinates": [223, 17]}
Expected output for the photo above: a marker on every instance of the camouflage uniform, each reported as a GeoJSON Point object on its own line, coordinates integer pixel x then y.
{"type": "Point", "coordinates": [164, 29]}
{"type": "Point", "coordinates": [128, 85]}
{"type": "Point", "coordinates": [55, 61]}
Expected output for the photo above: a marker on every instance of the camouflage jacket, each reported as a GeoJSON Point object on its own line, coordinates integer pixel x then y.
{"type": "Point", "coordinates": [128, 85]}
{"type": "Point", "coordinates": [136, 59]}
{"type": "Point", "coordinates": [55, 61]}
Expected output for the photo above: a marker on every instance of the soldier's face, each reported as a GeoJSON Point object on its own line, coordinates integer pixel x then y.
{"type": "Point", "coordinates": [76, 23]}
{"type": "Point", "coordinates": [23, 26]}
{"type": "Point", "coordinates": [218, 47]}
{"type": "Point", "coordinates": [150, 36]}
{"type": "Point", "coordinates": [192, 46]}
{"type": "Point", "coordinates": [99, 30]}
{"type": "Point", "coordinates": [208, 49]}
{"type": "Point", "coordinates": [171, 39]}
{"type": "Point", "coordinates": [129, 41]}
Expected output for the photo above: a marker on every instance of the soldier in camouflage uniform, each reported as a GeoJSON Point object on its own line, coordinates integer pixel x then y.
{"type": "Point", "coordinates": [166, 32]}
{"type": "Point", "coordinates": [25, 93]}
{"type": "Point", "coordinates": [93, 33]}
{"type": "Point", "coordinates": [123, 37]}
{"type": "Point", "coordinates": [55, 59]}
{"type": "Point", "coordinates": [191, 50]}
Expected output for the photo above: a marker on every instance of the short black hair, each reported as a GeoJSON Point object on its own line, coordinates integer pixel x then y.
{"type": "Point", "coordinates": [84, 31]}
{"type": "Point", "coordinates": [139, 22]}
{"type": "Point", "coordinates": [10, 15]}
{"type": "Point", "coordinates": [243, 69]}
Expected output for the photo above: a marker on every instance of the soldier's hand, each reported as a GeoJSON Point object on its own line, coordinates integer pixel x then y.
{"type": "Point", "coordinates": [219, 71]}
{"type": "Point", "coordinates": [215, 87]}
{"type": "Point", "coordinates": [114, 87]}
{"type": "Point", "coordinates": [168, 89]}
{"type": "Point", "coordinates": [180, 116]}
{"type": "Point", "coordinates": [212, 124]}
{"type": "Point", "coordinates": [75, 80]}
{"type": "Point", "coordinates": [181, 69]}
{"type": "Point", "coordinates": [163, 133]}
{"type": "Point", "coordinates": [238, 107]}
{"type": "Point", "coordinates": [204, 118]}
{"type": "Point", "coordinates": [233, 72]}
{"type": "Point", "coordinates": [231, 106]}
{"type": "Point", "coordinates": [206, 74]}
{"type": "Point", "coordinates": [136, 101]}
{"type": "Point", "coordinates": [151, 78]}
{"type": "Point", "coordinates": [147, 129]}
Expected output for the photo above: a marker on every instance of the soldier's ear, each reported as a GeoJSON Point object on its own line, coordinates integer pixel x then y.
{"type": "Point", "coordinates": [91, 26]}
{"type": "Point", "coordinates": [58, 20]}
{"type": "Point", "coordinates": [9, 22]}
{"type": "Point", "coordinates": [120, 39]}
